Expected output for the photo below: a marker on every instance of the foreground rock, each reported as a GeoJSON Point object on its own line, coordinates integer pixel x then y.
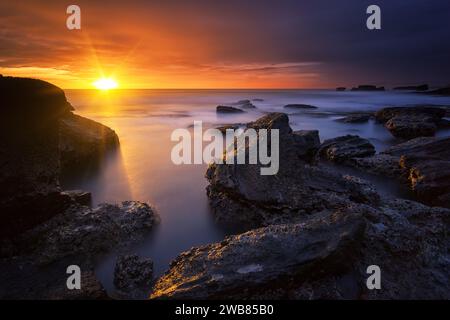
{"type": "Point", "coordinates": [346, 147]}
{"type": "Point", "coordinates": [324, 257]}
{"type": "Point", "coordinates": [76, 236]}
{"type": "Point", "coordinates": [411, 122]}
{"type": "Point", "coordinates": [133, 276]}
{"type": "Point", "coordinates": [228, 109]}
{"type": "Point", "coordinates": [240, 194]}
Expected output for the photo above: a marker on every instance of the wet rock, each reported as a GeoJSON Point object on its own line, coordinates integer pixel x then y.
{"type": "Point", "coordinates": [79, 196]}
{"type": "Point", "coordinates": [85, 232]}
{"type": "Point", "coordinates": [356, 118]}
{"type": "Point", "coordinates": [411, 122]}
{"type": "Point", "coordinates": [245, 104]}
{"type": "Point", "coordinates": [240, 194]}
{"type": "Point", "coordinates": [380, 164]}
{"type": "Point", "coordinates": [249, 264]}
{"type": "Point", "coordinates": [299, 106]}
{"type": "Point", "coordinates": [367, 88]}
{"type": "Point", "coordinates": [346, 147]}
{"type": "Point", "coordinates": [84, 142]}
{"type": "Point", "coordinates": [133, 276]}
{"type": "Point", "coordinates": [228, 109]}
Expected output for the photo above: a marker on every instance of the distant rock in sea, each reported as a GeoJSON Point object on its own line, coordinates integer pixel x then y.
{"type": "Point", "coordinates": [441, 91]}
{"type": "Point", "coordinates": [228, 109]}
{"type": "Point", "coordinates": [368, 88]}
{"type": "Point", "coordinates": [299, 106]}
{"type": "Point", "coordinates": [423, 87]}
{"type": "Point", "coordinates": [341, 88]}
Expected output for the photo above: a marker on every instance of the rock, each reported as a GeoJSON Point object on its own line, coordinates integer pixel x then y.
{"type": "Point", "coordinates": [235, 126]}
{"type": "Point", "coordinates": [324, 256]}
{"type": "Point", "coordinates": [341, 88]}
{"type": "Point", "coordinates": [423, 87]}
{"type": "Point", "coordinates": [239, 194]}
{"type": "Point", "coordinates": [381, 164]}
{"type": "Point", "coordinates": [228, 109]}
{"type": "Point", "coordinates": [84, 142]}
{"type": "Point", "coordinates": [411, 122]}
{"type": "Point", "coordinates": [258, 100]}
{"type": "Point", "coordinates": [356, 118]}
{"type": "Point", "coordinates": [79, 196]}
{"type": "Point", "coordinates": [245, 104]}
{"type": "Point", "coordinates": [368, 88]}
{"type": "Point", "coordinates": [346, 147]}
{"type": "Point", "coordinates": [299, 106]}
{"type": "Point", "coordinates": [247, 265]}
{"type": "Point", "coordinates": [29, 175]}
{"type": "Point", "coordinates": [85, 232]}
{"type": "Point", "coordinates": [133, 276]}
{"type": "Point", "coordinates": [440, 92]}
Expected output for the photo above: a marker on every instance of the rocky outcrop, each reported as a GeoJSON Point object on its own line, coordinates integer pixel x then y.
{"type": "Point", "coordinates": [245, 104]}
{"type": "Point", "coordinates": [39, 136]}
{"type": "Point", "coordinates": [423, 87]}
{"type": "Point", "coordinates": [323, 257]}
{"type": "Point", "coordinates": [341, 88]}
{"type": "Point", "coordinates": [299, 106]}
{"type": "Point", "coordinates": [240, 194]}
{"type": "Point", "coordinates": [411, 122]}
{"type": "Point", "coordinates": [133, 276]}
{"type": "Point", "coordinates": [84, 142]}
{"type": "Point", "coordinates": [228, 109]}
{"type": "Point", "coordinates": [367, 88]}
{"type": "Point", "coordinates": [440, 92]}
{"type": "Point", "coordinates": [343, 148]}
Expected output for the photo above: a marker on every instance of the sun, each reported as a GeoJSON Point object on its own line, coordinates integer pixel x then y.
{"type": "Point", "coordinates": [105, 84]}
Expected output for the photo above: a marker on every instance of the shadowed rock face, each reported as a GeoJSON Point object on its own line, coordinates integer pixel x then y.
{"type": "Point", "coordinates": [240, 194]}
{"type": "Point", "coordinates": [30, 136]}
{"type": "Point", "coordinates": [346, 147]}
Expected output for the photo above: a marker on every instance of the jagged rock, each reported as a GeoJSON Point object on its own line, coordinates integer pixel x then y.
{"type": "Point", "coordinates": [411, 122]}
{"type": "Point", "coordinates": [356, 118]}
{"type": "Point", "coordinates": [133, 276]}
{"type": "Point", "coordinates": [79, 196]}
{"type": "Point", "coordinates": [240, 194]}
{"type": "Point", "coordinates": [324, 256]}
{"type": "Point", "coordinates": [346, 147]}
{"type": "Point", "coordinates": [84, 142]}
{"type": "Point", "coordinates": [248, 264]}
{"type": "Point", "coordinates": [228, 109]}
{"type": "Point", "coordinates": [85, 232]}
{"type": "Point", "coordinates": [381, 164]}
{"type": "Point", "coordinates": [299, 106]}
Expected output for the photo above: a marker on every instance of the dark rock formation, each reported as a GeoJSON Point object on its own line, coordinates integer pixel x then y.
{"type": "Point", "coordinates": [368, 88]}
{"type": "Point", "coordinates": [411, 122]}
{"type": "Point", "coordinates": [423, 87]}
{"type": "Point", "coordinates": [245, 104]}
{"type": "Point", "coordinates": [323, 257]}
{"type": "Point", "coordinates": [341, 88]}
{"type": "Point", "coordinates": [239, 193]}
{"type": "Point", "coordinates": [35, 121]}
{"type": "Point", "coordinates": [346, 147]}
{"type": "Point", "coordinates": [228, 109]}
{"type": "Point", "coordinates": [299, 106]}
{"type": "Point", "coordinates": [81, 197]}
{"type": "Point", "coordinates": [440, 92]}
{"type": "Point", "coordinates": [84, 142]}
{"type": "Point", "coordinates": [133, 276]}
{"type": "Point", "coordinates": [356, 118]}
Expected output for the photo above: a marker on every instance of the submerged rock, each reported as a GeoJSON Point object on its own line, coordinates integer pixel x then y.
{"type": "Point", "coordinates": [299, 106]}
{"type": "Point", "coordinates": [133, 276]}
{"type": "Point", "coordinates": [346, 147]}
{"type": "Point", "coordinates": [228, 109]}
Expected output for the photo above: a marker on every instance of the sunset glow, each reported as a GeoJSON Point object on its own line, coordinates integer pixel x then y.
{"type": "Point", "coordinates": [105, 84]}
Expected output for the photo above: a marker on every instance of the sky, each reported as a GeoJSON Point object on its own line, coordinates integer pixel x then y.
{"type": "Point", "coordinates": [227, 44]}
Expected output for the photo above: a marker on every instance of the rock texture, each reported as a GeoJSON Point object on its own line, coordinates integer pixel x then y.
{"type": "Point", "coordinates": [346, 147]}
{"type": "Point", "coordinates": [133, 276]}
{"type": "Point", "coordinates": [323, 257]}
{"type": "Point", "coordinates": [240, 194]}
{"type": "Point", "coordinates": [411, 122]}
